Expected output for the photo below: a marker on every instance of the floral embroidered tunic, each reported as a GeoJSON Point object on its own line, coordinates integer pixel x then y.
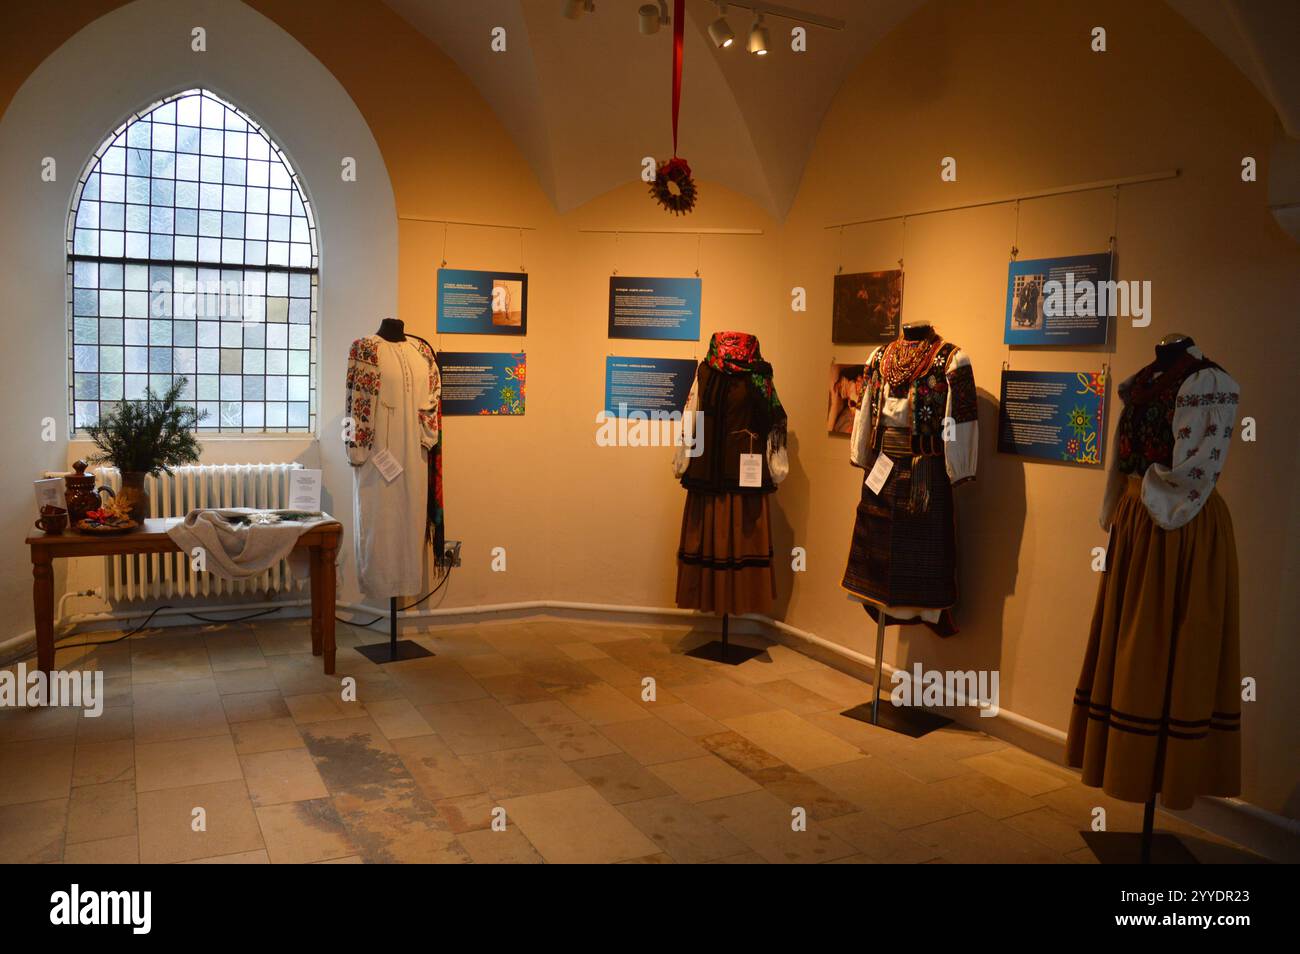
{"type": "Point", "coordinates": [1173, 433]}
{"type": "Point", "coordinates": [393, 390]}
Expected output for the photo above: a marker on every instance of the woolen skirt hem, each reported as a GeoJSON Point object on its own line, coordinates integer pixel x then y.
{"type": "Point", "coordinates": [724, 559]}
{"type": "Point", "coordinates": [1158, 704]}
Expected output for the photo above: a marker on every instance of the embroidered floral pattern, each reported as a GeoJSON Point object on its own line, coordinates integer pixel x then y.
{"type": "Point", "coordinates": [1201, 400]}
{"type": "Point", "coordinates": [362, 387]}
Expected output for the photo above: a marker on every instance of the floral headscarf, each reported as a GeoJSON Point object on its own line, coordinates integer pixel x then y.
{"type": "Point", "coordinates": [735, 352]}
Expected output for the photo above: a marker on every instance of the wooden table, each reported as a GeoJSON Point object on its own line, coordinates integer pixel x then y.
{"type": "Point", "coordinates": [322, 541]}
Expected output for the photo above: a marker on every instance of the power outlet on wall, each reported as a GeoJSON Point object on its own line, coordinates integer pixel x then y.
{"type": "Point", "coordinates": [450, 553]}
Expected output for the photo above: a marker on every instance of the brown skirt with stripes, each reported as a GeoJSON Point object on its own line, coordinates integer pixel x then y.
{"type": "Point", "coordinates": [1158, 708]}
{"type": "Point", "coordinates": [724, 560]}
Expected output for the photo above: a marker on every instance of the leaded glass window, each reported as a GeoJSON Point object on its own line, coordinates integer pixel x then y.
{"type": "Point", "coordinates": [192, 252]}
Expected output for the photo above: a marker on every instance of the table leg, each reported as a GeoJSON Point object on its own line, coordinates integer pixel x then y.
{"type": "Point", "coordinates": [43, 608]}
{"type": "Point", "coordinates": [327, 573]}
{"type": "Point", "coordinates": [313, 555]}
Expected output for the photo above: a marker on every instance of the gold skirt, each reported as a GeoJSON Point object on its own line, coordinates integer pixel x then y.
{"type": "Point", "coordinates": [1158, 708]}
{"type": "Point", "coordinates": [724, 559]}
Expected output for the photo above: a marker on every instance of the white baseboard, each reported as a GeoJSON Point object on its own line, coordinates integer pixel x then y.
{"type": "Point", "coordinates": [1271, 835]}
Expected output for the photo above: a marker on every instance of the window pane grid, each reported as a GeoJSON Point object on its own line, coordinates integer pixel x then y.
{"type": "Point", "coordinates": [192, 252]}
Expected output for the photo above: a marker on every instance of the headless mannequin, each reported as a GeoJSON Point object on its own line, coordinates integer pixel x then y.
{"type": "Point", "coordinates": [392, 329]}
{"type": "Point", "coordinates": [917, 330]}
{"type": "Point", "coordinates": [1170, 348]}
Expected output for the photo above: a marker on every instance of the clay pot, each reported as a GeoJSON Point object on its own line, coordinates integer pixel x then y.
{"type": "Point", "coordinates": [134, 495]}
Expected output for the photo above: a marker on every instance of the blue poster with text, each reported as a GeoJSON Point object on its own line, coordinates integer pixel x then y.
{"type": "Point", "coordinates": [666, 309]}
{"type": "Point", "coordinates": [482, 383]}
{"type": "Point", "coordinates": [482, 303]}
{"type": "Point", "coordinates": [1053, 415]}
{"type": "Point", "coordinates": [651, 386]}
{"type": "Point", "coordinates": [1061, 301]}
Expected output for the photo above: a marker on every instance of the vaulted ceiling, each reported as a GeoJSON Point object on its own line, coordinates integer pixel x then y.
{"type": "Point", "coordinates": [587, 99]}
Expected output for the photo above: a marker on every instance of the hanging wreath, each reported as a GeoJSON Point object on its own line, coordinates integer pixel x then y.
{"type": "Point", "coordinates": [673, 187]}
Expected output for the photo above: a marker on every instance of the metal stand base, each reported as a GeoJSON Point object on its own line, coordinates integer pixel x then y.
{"type": "Point", "coordinates": [911, 722]}
{"type": "Point", "coordinates": [727, 653]}
{"type": "Point", "coordinates": [1129, 847]}
{"type": "Point", "coordinates": [395, 650]}
{"type": "Point", "coordinates": [721, 651]}
{"type": "Point", "coordinates": [390, 652]}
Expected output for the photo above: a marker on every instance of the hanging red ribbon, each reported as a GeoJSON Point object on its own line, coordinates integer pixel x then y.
{"type": "Point", "coordinates": [679, 36]}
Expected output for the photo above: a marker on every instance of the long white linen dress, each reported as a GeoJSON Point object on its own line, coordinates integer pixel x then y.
{"type": "Point", "coordinates": [393, 390]}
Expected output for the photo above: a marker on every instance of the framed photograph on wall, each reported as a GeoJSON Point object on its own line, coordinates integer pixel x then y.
{"type": "Point", "coordinates": [844, 397]}
{"type": "Point", "coordinates": [867, 307]}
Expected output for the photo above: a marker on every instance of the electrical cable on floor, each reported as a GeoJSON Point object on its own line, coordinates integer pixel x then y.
{"type": "Point", "coordinates": [156, 611]}
{"type": "Point", "coordinates": [239, 619]}
{"type": "Point", "coordinates": [401, 609]}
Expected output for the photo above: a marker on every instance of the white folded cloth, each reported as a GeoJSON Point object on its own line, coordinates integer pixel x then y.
{"type": "Point", "coordinates": [236, 549]}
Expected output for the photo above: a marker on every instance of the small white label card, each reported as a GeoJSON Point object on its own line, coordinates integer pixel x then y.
{"type": "Point", "coordinates": [880, 473]}
{"type": "Point", "coordinates": [304, 490]}
{"type": "Point", "coordinates": [387, 464]}
{"type": "Point", "coordinates": [49, 493]}
{"type": "Point", "coordinates": [751, 470]}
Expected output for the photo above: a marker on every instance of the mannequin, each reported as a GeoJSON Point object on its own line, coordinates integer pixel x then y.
{"type": "Point", "coordinates": [393, 403]}
{"type": "Point", "coordinates": [1171, 347]}
{"type": "Point", "coordinates": [724, 558]}
{"type": "Point", "coordinates": [918, 418]}
{"type": "Point", "coordinates": [392, 329]}
{"type": "Point", "coordinates": [1157, 710]}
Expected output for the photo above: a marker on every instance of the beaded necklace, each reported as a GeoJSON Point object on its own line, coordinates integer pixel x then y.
{"type": "Point", "coordinates": [904, 360]}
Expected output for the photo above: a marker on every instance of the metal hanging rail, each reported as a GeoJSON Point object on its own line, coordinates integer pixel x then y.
{"type": "Point", "coordinates": [1006, 200]}
{"type": "Point", "coordinates": [613, 231]}
{"type": "Point", "coordinates": [477, 225]}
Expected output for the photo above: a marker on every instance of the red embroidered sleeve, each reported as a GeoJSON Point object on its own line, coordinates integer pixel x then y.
{"type": "Point", "coordinates": [359, 405]}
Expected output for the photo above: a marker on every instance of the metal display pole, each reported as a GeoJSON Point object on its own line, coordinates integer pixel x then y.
{"type": "Point", "coordinates": [911, 721]}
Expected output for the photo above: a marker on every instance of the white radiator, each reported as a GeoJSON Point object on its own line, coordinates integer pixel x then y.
{"type": "Point", "coordinates": [169, 575]}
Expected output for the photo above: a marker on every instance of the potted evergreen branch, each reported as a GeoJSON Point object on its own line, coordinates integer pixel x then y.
{"type": "Point", "coordinates": [144, 438]}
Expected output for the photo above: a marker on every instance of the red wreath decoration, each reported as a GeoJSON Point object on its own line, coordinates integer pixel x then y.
{"type": "Point", "coordinates": [673, 187]}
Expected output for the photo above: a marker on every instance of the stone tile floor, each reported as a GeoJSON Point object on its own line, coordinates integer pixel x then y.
{"type": "Point", "coordinates": [542, 720]}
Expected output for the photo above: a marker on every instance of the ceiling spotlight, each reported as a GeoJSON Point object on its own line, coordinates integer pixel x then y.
{"type": "Point", "coordinates": [574, 8]}
{"type": "Point", "coordinates": [720, 31]}
{"type": "Point", "coordinates": [759, 38]}
{"type": "Point", "coordinates": [648, 15]}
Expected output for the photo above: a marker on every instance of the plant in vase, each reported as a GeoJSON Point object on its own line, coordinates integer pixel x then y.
{"type": "Point", "coordinates": [145, 438]}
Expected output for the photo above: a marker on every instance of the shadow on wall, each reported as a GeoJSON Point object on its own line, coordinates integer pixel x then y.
{"type": "Point", "coordinates": [796, 486]}
{"type": "Point", "coordinates": [990, 520]}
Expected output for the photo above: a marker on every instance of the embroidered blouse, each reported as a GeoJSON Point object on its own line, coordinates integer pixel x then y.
{"type": "Point", "coordinates": [362, 396]}
{"type": "Point", "coordinates": [949, 383]}
{"type": "Point", "coordinates": [1175, 440]}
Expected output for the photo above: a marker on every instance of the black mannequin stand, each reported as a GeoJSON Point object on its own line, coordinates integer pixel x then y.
{"type": "Point", "coordinates": [911, 721]}
{"type": "Point", "coordinates": [395, 650]}
{"type": "Point", "coordinates": [722, 651]}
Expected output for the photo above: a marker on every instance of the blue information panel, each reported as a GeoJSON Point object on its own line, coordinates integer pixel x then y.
{"type": "Point", "coordinates": [1053, 415]}
{"type": "Point", "coordinates": [482, 303]}
{"type": "Point", "coordinates": [482, 382]}
{"type": "Point", "coordinates": [1060, 301]}
{"type": "Point", "coordinates": [647, 385]}
{"type": "Point", "coordinates": [667, 309]}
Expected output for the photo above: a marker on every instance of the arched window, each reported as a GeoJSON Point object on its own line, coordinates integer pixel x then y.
{"type": "Point", "coordinates": [192, 253]}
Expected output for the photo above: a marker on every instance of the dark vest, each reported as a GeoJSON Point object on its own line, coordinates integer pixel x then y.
{"type": "Point", "coordinates": [927, 394]}
{"type": "Point", "coordinates": [1145, 433]}
{"type": "Point", "coordinates": [737, 420]}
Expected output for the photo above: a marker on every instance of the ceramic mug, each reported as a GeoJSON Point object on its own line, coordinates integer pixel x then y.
{"type": "Point", "coordinates": [53, 520]}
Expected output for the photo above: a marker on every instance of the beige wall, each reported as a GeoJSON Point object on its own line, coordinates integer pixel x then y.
{"type": "Point", "coordinates": [1012, 91]}
{"type": "Point", "coordinates": [1009, 89]}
